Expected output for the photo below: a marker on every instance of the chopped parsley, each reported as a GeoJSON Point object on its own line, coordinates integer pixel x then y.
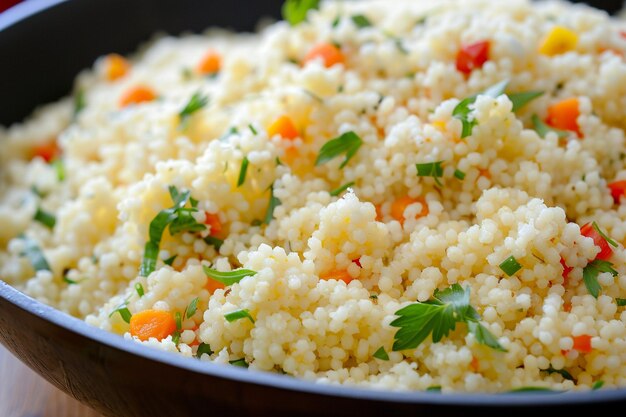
{"type": "Point", "coordinates": [510, 266]}
{"type": "Point", "coordinates": [543, 129]}
{"type": "Point", "coordinates": [238, 315]}
{"type": "Point", "coordinates": [462, 111]}
{"type": "Point", "coordinates": [35, 255]}
{"type": "Point", "coordinates": [231, 131]}
{"type": "Point", "coordinates": [252, 129]}
{"type": "Point", "coordinates": [519, 100]}
{"type": "Point", "coordinates": [361, 21]}
{"type": "Point", "coordinates": [341, 189]}
{"type": "Point", "coordinates": [430, 169]}
{"type": "Point", "coordinates": [170, 261]}
{"type": "Point", "coordinates": [123, 311]}
{"type": "Point", "coordinates": [273, 203]}
{"type": "Point", "coordinates": [79, 102]}
{"type": "Point", "coordinates": [437, 317]}
{"type": "Point", "coordinates": [434, 388]}
{"type": "Point", "coordinates": [348, 143]}
{"type": "Point", "coordinates": [213, 241]}
{"type": "Point", "coordinates": [239, 362]}
{"type": "Point", "coordinates": [604, 235]}
{"type": "Point", "coordinates": [591, 272]}
{"type": "Point", "coordinates": [295, 11]}
{"type": "Point", "coordinates": [191, 308]}
{"type": "Point", "coordinates": [203, 348]}
{"type": "Point", "coordinates": [597, 385]}
{"type": "Point", "coordinates": [139, 289]}
{"type": "Point", "coordinates": [459, 175]}
{"type": "Point", "coordinates": [562, 372]}
{"type": "Point", "coordinates": [242, 171]}
{"type": "Point", "coordinates": [45, 218]}
{"type": "Point", "coordinates": [228, 278]}
{"type": "Point", "coordinates": [195, 103]}
{"type": "Point", "coordinates": [381, 354]}
{"type": "Point", "coordinates": [621, 302]}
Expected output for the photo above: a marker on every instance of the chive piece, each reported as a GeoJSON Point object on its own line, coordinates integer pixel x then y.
{"type": "Point", "coordinates": [295, 11]}
{"type": "Point", "coordinates": [510, 266]}
{"type": "Point", "coordinates": [462, 110]}
{"type": "Point", "coordinates": [434, 388]}
{"type": "Point", "coordinates": [139, 289]}
{"type": "Point", "coordinates": [591, 272]}
{"type": "Point", "coordinates": [458, 174]}
{"type": "Point", "coordinates": [69, 281]}
{"type": "Point", "coordinates": [519, 100]}
{"type": "Point", "coordinates": [277, 161]}
{"type": "Point", "coordinates": [336, 21]}
{"type": "Point", "coordinates": [170, 261]}
{"type": "Point", "coordinates": [430, 169]}
{"type": "Point", "coordinates": [381, 354]}
{"type": "Point", "coordinates": [228, 278]}
{"type": "Point", "coordinates": [213, 241]}
{"type": "Point", "coordinates": [621, 302]}
{"type": "Point", "coordinates": [597, 385]}
{"type": "Point", "coordinates": [192, 308]}
{"type": "Point", "coordinates": [348, 143]}
{"type": "Point", "coordinates": [204, 348]}
{"type": "Point", "coordinates": [256, 222]}
{"type": "Point", "coordinates": [59, 168]}
{"type": "Point", "coordinates": [179, 321]}
{"type": "Point", "coordinates": [195, 103]}
{"type": "Point", "coordinates": [242, 171]}
{"type": "Point", "coordinates": [273, 203]}
{"type": "Point", "coordinates": [231, 131]}
{"type": "Point", "coordinates": [123, 311]}
{"type": "Point", "coordinates": [361, 21]}
{"type": "Point", "coordinates": [239, 362]}
{"type": "Point", "coordinates": [341, 189]}
{"type": "Point", "coordinates": [252, 129]}
{"type": "Point", "coordinates": [45, 218]}
{"type": "Point", "coordinates": [238, 315]}
{"type": "Point", "coordinates": [562, 372]}
{"type": "Point", "coordinates": [35, 255]}
{"type": "Point", "coordinates": [543, 129]}
{"type": "Point", "coordinates": [604, 235]}
{"type": "Point", "coordinates": [79, 102]}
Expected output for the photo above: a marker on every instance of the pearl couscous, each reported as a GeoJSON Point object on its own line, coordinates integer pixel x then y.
{"type": "Point", "coordinates": [406, 195]}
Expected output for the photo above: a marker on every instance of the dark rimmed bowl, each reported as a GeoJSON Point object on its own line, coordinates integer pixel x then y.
{"type": "Point", "coordinates": [44, 43]}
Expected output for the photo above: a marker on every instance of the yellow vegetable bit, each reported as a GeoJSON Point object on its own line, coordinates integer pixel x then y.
{"type": "Point", "coordinates": [558, 41]}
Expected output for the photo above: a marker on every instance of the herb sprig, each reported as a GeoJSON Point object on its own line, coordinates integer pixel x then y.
{"type": "Point", "coordinates": [348, 143]}
{"type": "Point", "coordinates": [35, 255]}
{"type": "Point", "coordinates": [295, 11]}
{"type": "Point", "coordinates": [195, 103]}
{"type": "Point", "coordinates": [591, 272]}
{"type": "Point", "coordinates": [228, 278]}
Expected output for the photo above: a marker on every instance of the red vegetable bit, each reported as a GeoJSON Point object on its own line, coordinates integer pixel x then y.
{"type": "Point", "coordinates": [618, 189]}
{"type": "Point", "coordinates": [566, 271]}
{"type": "Point", "coordinates": [472, 56]}
{"type": "Point", "coordinates": [582, 343]}
{"type": "Point", "coordinates": [47, 151]}
{"type": "Point", "coordinates": [605, 250]}
{"type": "Point", "coordinates": [213, 221]}
{"type": "Point", "coordinates": [357, 261]}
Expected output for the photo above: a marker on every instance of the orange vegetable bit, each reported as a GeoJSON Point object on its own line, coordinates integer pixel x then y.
{"type": "Point", "coordinates": [213, 221]}
{"type": "Point", "coordinates": [284, 127]}
{"type": "Point", "coordinates": [605, 249]}
{"type": "Point", "coordinates": [115, 66]}
{"type": "Point", "coordinates": [152, 323]}
{"type": "Point", "coordinates": [566, 271]}
{"type": "Point", "coordinates": [379, 212]}
{"type": "Point", "coordinates": [48, 151]}
{"type": "Point", "coordinates": [210, 63]}
{"type": "Point", "coordinates": [475, 364]}
{"type": "Point", "coordinates": [582, 343]}
{"type": "Point", "coordinates": [213, 285]}
{"type": "Point", "coordinates": [567, 307]}
{"type": "Point", "coordinates": [327, 52]}
{"type": "Point", "coordinates": [564, 115]}
{"type": "Point", "coordinates": [338, 274]}
{"type": "Point", "coordinates": [618, 189]}
{"type": "Point", "coordinates": [398, 207]}
{"type": "Point", "coordinates": [136, 95]}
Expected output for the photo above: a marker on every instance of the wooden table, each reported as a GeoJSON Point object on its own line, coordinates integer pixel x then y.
{"type": "Point", "coordinates": [23, 393]}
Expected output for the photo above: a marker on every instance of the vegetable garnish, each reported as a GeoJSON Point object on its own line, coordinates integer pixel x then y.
{"type": "Point", "coordinates": [139, 289]}
{"type": "Point", "coordinates": [462, 110]}
{"type": "Point", "coordinates": [591, 272]}
{"type": "Point", "coordinates": [284, 127]}
{"type": "Point", "coordinates": [510, 266]}
{"type": "Point", "coordinates": [178, 218]}
{"type": "Point", "coordinates": [239, 362]}
{"type": "Point", "coordinates": [170, 261]}
{"type": "Point", "coordinates": [35, 255]}
{"type": "Point", "coordinates": [562, 372]}
{"type": "Point", "coordinates": [458, 174]}
{"type": "Point", "coordinates": [228, 278]}
{"type": "Point", "coordinates": [79, 102]}
{"type": "Point", "coordinates": [558, 41]}
{"type": "Point", "coordinates": [361, 21]}
{"type": "Point", "coordinates": [203, 348]}
{"type": "Point", "coordinates": [238, 315]}
{"type": "Point", "coordinates": [152, 323]}
{"type": "Point", "coordinates": [431, 169]}
{"type": "Point", "coordinates": [45, 218]}
{"type": "Point", "coordinates": [621, 302]}
{"type": "Point", "coordinates": [330, 54]}
{"type": "Point", "coordinates": [599, 239]}
{"type": "Point", "coordinates": [273, 203]}
{"type": "Point", "coordinates": [438, 316]}
{"type": "Point", "coordinates": [604, 235]}
{"type": "Point", "coordinates": [123, 310]}
{"type": "Point", "coordinates": [582, 343]}
{"type": "Point", "coordinates": [59, 168]}
{"type": "Point", "coordinates": [242, 171]}
{"type": "Point", "coordinates": [295, 11]}
{"type": "Point", "coordinates": [231, 131]}
{"type": "Point", "coordinates": [252, 129]}
{"type": "Point", "coordinates": [597, 385]}
{"type": "Point", "coordinates": [472, 56]}
{"type": "Point", "coordinates": [213, 241]}
{"type": "Point", "coordinates": [618, 189]}
{"type": "Point", "coordinates": [564, 115]}
{"type": "Point", "coordinates": [381, 354]}
{"type": "Point", "coordinates": [543, 129]}
{"type": "Point", "coordinates": [191, 308]}
{"type": "Point", "coordinates": [519, 100]}
{"type": "Point", "coordinates": [136, 95]}
{"type": "Point", "coordinates": [348, 143]}
{"type": "Point", "coordinates": [434, 388]}
{"type": "Point", "coordinates": [69, 281]}
{"type": "Point", "coordinates": [195, 103]}
{"type": "Point", "coordinates": [341, 189]}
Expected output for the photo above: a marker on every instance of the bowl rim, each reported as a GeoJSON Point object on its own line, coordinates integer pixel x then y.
{"type": "Point", "coordinates": [27, 9]}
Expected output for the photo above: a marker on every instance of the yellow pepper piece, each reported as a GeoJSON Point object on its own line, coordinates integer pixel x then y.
{"type": "Point", "coordinates": [558, 41]}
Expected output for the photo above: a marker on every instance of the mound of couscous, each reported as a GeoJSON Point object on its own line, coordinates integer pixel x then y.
{"type": "Point", "coordinates": [406, 195]}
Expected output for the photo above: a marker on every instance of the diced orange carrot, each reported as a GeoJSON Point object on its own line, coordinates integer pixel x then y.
{"type": "Point", "coordinates": [475, 364]}
{"type": "Point", "coordinates": [115, 66]}
{"type": "Point", "coordinates": [618, 189]}
{"type": "Point", "coordinates": [338, 274]}
{"type": "Point", "coordinates": [567, 306]}
{"type": "Point", "coordinates": [398, 207]}
{"type": "Point", "coordinates": [48, 151]}
{"type": "Point", "coordinates": [213, 285]}
{"type": "Point", "coordinates": [213, 221]}
{"type": "Point", "coordinates": [284, 127]}
{"type": "Point", "coordinates": [327, 52]}
{"type": "Point", "coordinates": [582, 343]}
{"type": "Point", "coordinates": [152, 323]}
{"type": "Point", "coordinates": [136, 95]}
{"type": "Point", "coordinates": [564, 115]}
{"type": "Point", "coordinates": [379, 212]}
{"type": "Point", "coordinates": [210, 63]}
{"type": "Point", "coordinates": [484, 173]}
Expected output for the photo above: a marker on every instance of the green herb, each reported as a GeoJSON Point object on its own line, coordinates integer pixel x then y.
{"type": "Point", "coordinates": [604, 235]}
{"type": "Point", "coordinates": [238, 315]}
{"type": "Point", "coordinates": [434, 388]}
{"type": "Point", "coordinates": [179, 321]}
{"type": "Point", "coordinates": [374, 296]}
{"type": "Point", "coordinates": [252, 129]}
{"type": "Point", "coordinates": [195, 103]}
{"type": "Point", "coordinates": [430, 169]}
{"type": "Point", "coordinates": [45, 218]}
{"type": "Point", "coordinates": [35, 255]}
{"type": "Point", "coordinates": [519, 100]}
{"type": "Point", "coordinates": [562, 372]}
{"type": "Point", "coordinates": [170, 261]}
{"type": "Point", "coordinates": [228, 278]}
{"type": "Point", "coordinates": [381, 354]}
{"type": "Point", "coordinates": [621, 302]}
{"type": "Point", "coordinates": [176, 337]}
{"type": "Point", "coordinates": [239, 362]}
{"type": "Point", "coordinates": [59, 168]}
{"type": "Point", "coordinates": [341, 189]}
{"type": "Point", "coordinates": [277, 161]}
{"type": "Point", "coordinates": [400, 46]}
{"type": "Point", "coordinates": [438, 316]}
{"type": "Point", "coordinates": [186, 73]}
{"type": "Point", "coordinates": [361, 21]}
{"type": "Point", "coordinates": [273, 203]}
{"type": "Point", "coordinates": [510, 265]}
{"type": "Point", "coordinates": [123, 311]}
{"type": "Point", "coordinates": [348, 143]}
{"type": "Point", "coordinates": [69, 281]}
{"type": "Point", "coordinates": [213, 241]}
{"type": "Point", "coordinates": [336, 21]}
{"type": "Point", "coordinates": [532, 389]}
{"type": "Point", "coordinates": [231, 131]}
{"type": "Point", "coordinates": [597, 385]}
{"type": "Point", "coordinates": [543, 129]}
{"type": "Point", "coordinates": [139, 289]}
{"type": "Point", "coordinates": [462, 110]}
{"type": "Point", "coordinates": [203, 348]}
{"type": "Point", "coordinates": [242, 171]}
{"type": "Point", "coordinates": [191, 308]}
{"type": "Point", "coordinates": [591, 272]}
{"type": "Point", "coordinates": [295, 11]}
{"type": "Point", "coordinates": [458, 174]}
{"type": "Point", "coordinates": [79, 102]}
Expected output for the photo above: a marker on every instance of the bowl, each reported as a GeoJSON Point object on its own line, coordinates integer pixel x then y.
{"type": "Point", "coordinates": [48, 42]}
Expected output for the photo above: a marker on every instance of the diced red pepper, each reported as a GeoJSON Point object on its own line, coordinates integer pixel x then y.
{"type": "Point", "coordinates": [605, 249]}
{"type": "Point", "coordinates": [47, 151]}
{"type": "Point", "coordinates": [566, 271]}
{"type": "Point", "coordinates": [618, 189]}
{"type": "Point", "coordinates": [582, 343]}
{"type": "Point", "coordinates": [472, 56]}
{"type": "Point", "coordinates": [357, 261]}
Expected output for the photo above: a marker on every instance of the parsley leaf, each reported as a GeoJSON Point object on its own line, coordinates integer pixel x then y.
{"type": "Point", "coordinates": [621, 302]}
{"type": "Point", "coordinates": [203, 348]}
{"type": "Point", "coordinates": [361, 21]}
{"type": "Point", "coordinates": [228, 278]}
{"type": "Point", "coordinates": [462, 110]}
{"type": "Point", "coordinates": [239, 362]}
{"type": "Point", "coordinates": [238, 315]}
{"type": "Point", "coordinates": [459, 175]}
{"type": "Point", "coordinates": [273, 203]}
{"type": "Point", "coordinates": [562, 372]}
{"type": "Point", "coordinates": [484, 336]}
{"type": "Point", "coordinates": [591, 272]}
{"type": "Point", "coordinates": [213, 241]}
{"type": "Point", "coordinates": [45, 218]}
{"type": "Point", "coordinates": [519, 100]}
{"type": "Point", "coordinates": [348, 143]}
{"type": "Point", "coordinates": [430, 169]}
{"type": "Point", "coordinates": [295, 11]}
{"type": "Point", "coordinates": [381, 354]}
{"type": "Point", "coordinates": [195, 103]}
{"type": "Point", "coordinates": [191, 308]}
{"type": "Point", "coordinates": [35, 255]}
{"type": "Point", "coordinates": [242, 171]}
{"type": "Point", "coordinates": [170, 261]}
{"type": "Point", "coordinates": [543, 129]}
{"type": "Point", "coordinates": [597, 385]}
{"type": "Point", "coordinates": [341, 189]}
{"type": "Point", "coordinates": [510, 265]}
